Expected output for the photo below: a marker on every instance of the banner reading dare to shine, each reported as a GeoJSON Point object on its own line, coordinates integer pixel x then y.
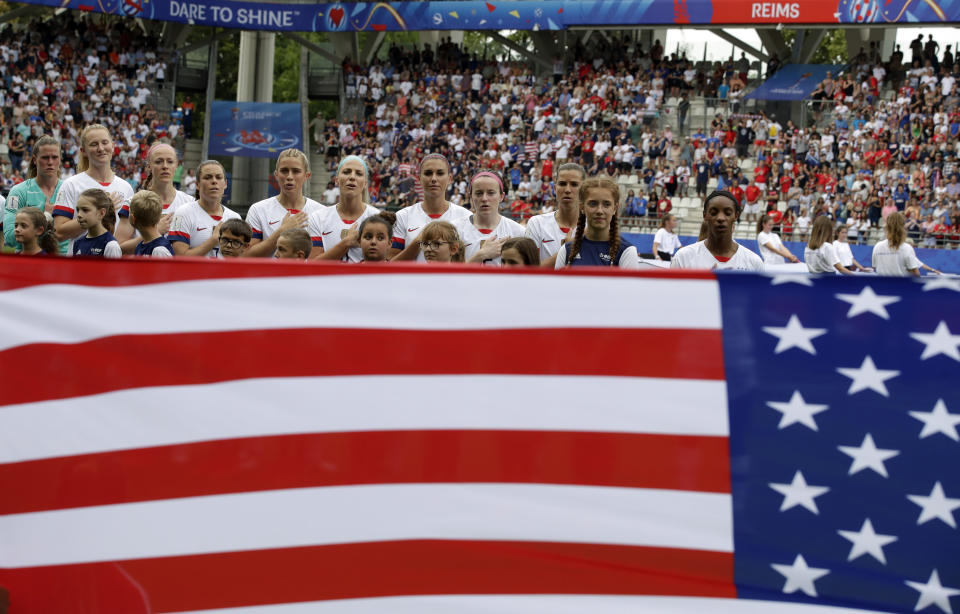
{"type": "Point", "coordinates": [517, 14]}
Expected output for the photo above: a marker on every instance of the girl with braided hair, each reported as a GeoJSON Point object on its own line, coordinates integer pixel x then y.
{"type": "Point", "coordinates": [597, 240]}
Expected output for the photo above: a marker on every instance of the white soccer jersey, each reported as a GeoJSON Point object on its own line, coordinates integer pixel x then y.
{"type": "Point", "coordinates": [546, 233]}
{"type": "Point", "coordinates": [889, 261]}
{"type": "Point", "coordinates": [821, 260]}
{"type": "Point", "coordinates": [768, 242]}
{"type": "Point", "coordinates": [697, 256]}
{"type": "Point", "coordinates": [192, 225]}
{"type": "Point", "coordinates": [327, 228]}
{"type": "Point", "coordinates": [265, 216]}
{"type": "Point", "coordinates": [72, 187]}
{"type": "Point", "coordinates": [411, 220]}
{"type": "Point", "coordinates": [472, 237]}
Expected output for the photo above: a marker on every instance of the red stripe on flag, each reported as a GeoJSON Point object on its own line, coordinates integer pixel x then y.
{"type": "Point", "coordinates": [691, 463]}
{"type": "Point", "coordinates": [200, 358]}
{"type": "Point", "coordinates": [260, 577]}
{"type": "Point", "coordinates": [22, 273]}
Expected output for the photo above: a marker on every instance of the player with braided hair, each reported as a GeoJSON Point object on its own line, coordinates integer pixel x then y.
{"type": "Point", "coordinates": [597, 240]}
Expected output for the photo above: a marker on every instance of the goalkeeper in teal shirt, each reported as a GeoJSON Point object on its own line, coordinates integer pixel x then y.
{"type": "Point", "coordinates": [39, 190]}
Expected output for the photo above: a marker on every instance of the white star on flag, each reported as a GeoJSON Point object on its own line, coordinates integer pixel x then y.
{"type": "Point", "coordinates": [939, 420]}
{"type": "Point", "coordinates": [868, 301]}
{"type": "Point", "coordinates": [866, 541]}
{"type": "Point", "coordinates": [942, 283]}
{"type": "Point", "coordinates": [868, 377]}
{"type": "Point", "coordinates": [868, 456]}
{"type": "Point", "coordinates": [791, 278]}
{"type": "Point", "coordinates": [798, 492]}
{"type": "Point", "coordinates": [940, 341]}
{"type": "Point", "coordinates": [794, 335]}
{"type": "Point", "coordinates": [799, 576]}
{"type": "Point", "coordinates": [797, 411]}
{"type": "Point", "coordinates": [937, 505]}
{"type": "Point", "coordinates": [933, 593]}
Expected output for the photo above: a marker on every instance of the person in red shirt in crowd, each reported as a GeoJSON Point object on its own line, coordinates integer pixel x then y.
{"type": "Point", "coordinates": [940, 232]}
{"type": "Point", "coordinates": [587, 150]}
{"type": "Point", "coordinates": [520, 209]}
{"type": "Point", "coordinates": [786, 182]}
{"type": "Point", "coordinates": [737, 191]}
{"type": "Point", "coordinates": [752, 193]}
{"type": "Point", "coordinates": [664, 205]}
{"type": "Point", "coordinates": [547, 171]}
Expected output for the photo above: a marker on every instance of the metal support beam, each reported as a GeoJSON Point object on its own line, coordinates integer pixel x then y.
{"type": "Point", "coordinates": [304, 99]}
{"type": "Point", "coordinates": [811, 43]}
{"type": "Point", "coordinates": [313, 47]}
{"type": "Point", "coordinates": [211, 94]}
{"type": "Point", "coordinates": [736, 42]}
{"type": "Point", "coordinates": [797, 49]}
{"type": "Point", "coordinates": [201, 44]}
{"type": "Point", "coordinates": [506, 42]}
{"type": "Point", "coordinates": [370, 49]}
{"type": "Point", "coordinates": [772, 39]}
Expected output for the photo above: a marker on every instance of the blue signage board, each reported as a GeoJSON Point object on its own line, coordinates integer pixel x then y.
{"type": "Point", "coordinates": [794, 82]}
{"type": "Point", "coordinates": [254, 129]}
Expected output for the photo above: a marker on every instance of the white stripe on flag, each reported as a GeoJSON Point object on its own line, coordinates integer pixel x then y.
{"type": "Point", "coordinates": [71, 314]}
{"type": "Point", "coordinates": [350, 514]}
{"type": "Point", "coordinates": [170, 415]}
{"type": "Point", "coordinates": [538, 604]}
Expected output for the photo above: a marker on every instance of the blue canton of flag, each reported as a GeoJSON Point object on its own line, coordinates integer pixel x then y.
{"type": "Point", "coordinates": [844, 446]}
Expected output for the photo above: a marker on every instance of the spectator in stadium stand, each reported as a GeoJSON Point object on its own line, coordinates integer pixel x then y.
{"type": "Point", "coordinates": [665, 241]}
{"type": "Point", "coordinates": [195, 230]}
{"type": "Point", "coordinates": [435, 178]}
{"type": "Point", "coordinates": [287, 210]}
{"type": "Point", "coordinates": [597, 240]}
{"type": "Point", "coordinates": [820, 255]}
{"type": "Point", "coordinates": [485, 231]}
{"type": "Point", "coordinates": [39, 190]}
{"type": "Point", "coordinates": [336, 230]}
{"type": "Point", "coordinates": [893, 255]}
{"type": "Point", "coordinates": [771, 247]}
{"type": "Point", "coordinates": [96, 154]}
{"type": "Point", "coordinates": [718, 250]}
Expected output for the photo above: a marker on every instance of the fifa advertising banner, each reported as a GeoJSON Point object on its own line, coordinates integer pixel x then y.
{"type": "Point", "coordinates": [794, 81]}
{"type": "Point", "coordinates": [254, 129]}
{"type": "Point", "coordinates": [518, 14]}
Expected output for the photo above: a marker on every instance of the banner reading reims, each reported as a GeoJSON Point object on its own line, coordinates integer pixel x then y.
{"type": "Point", "coordinates": [254, 129]}
{"type": "Point", "coordinates": [518, 14]}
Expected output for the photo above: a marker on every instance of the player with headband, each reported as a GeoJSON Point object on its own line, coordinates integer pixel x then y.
{"type": "Point", "coordinates": [289, 209]}
{"type": "Point", "coordinates": [435, 178]}
{"type": "Point", "coordinates": [335, 231]}
{"type": "Point", "coordinates": [484, 232]}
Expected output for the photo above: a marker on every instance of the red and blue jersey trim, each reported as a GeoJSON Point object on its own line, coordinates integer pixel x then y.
{"type": "Point", "coordinates": [174, 235]}
{"type": "Point", "coordinates": [66, 212]}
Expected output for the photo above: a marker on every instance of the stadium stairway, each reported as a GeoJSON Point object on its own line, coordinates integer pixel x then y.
{"type": "Point", "coordinates": [318, 178]}
{"type": "Point", "coordinates": [192, 151]}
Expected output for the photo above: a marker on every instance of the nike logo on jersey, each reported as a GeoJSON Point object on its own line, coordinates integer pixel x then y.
{"type": "Point", "coordinates": [548, 240]}
{"type": "Point", "coordinates": [326, 233]}
{"type": "Point", "coordinates": [275, 222]}
{"type": "Point", "coordinates": [412, 229]}
{"type": "Point", "coordinates": [199, 229]}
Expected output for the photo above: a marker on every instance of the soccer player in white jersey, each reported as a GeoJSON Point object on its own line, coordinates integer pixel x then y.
{"type": "Point", "coordinates": [335, 231]}
{"type": "Point", "coordinates": [718, 250]}
{"type": "Point", "coordinates": [195, 227]}
{"type": "Point", "coordinates": [484, 232]}
{"type": "Point", "coordinates": [161, 164]}
{"type": "Point", "coordinates": [550, 230]}
{"type": "Point", "coordinates": [289, 209]}
{"type": "Point", "coordinates": [435, 178]}
{"type": "Point", "coordinates": [96, 153]}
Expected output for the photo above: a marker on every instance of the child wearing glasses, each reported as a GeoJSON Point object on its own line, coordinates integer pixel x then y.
{"type": "Point", "coordinates": [234, 238]}
{"type": "Point", "coordinates": [439, 242]}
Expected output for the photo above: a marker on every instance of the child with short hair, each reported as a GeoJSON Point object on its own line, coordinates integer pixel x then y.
{"type": "Point", "coordinates": [293, 243]}
{"type": "Point", "coordinates": [235, 236]}
{"type": "Point", "coordinates": [146, 208]}
{"type": "Point", "coordinates": [34, 233]}
{"type": "Point", "coordinates": [439, 242]}
{"type": "Point", "coordinates": [96, 215]}
{"type": "Point", "coordinates": [376, 233]}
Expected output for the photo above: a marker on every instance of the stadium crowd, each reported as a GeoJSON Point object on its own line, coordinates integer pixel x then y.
{"type": "Point", "coordinates": [876, 147]}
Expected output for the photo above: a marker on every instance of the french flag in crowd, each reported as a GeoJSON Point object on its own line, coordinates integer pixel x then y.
{"type": "Point", "coordinates": [260, 437]}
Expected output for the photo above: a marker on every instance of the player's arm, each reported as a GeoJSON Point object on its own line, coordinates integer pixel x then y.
{"type": "Point", "coordinates": [264, 248]}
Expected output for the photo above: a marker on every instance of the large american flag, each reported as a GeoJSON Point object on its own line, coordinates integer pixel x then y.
{"type": "Point", "coordinates": [268, 437]}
